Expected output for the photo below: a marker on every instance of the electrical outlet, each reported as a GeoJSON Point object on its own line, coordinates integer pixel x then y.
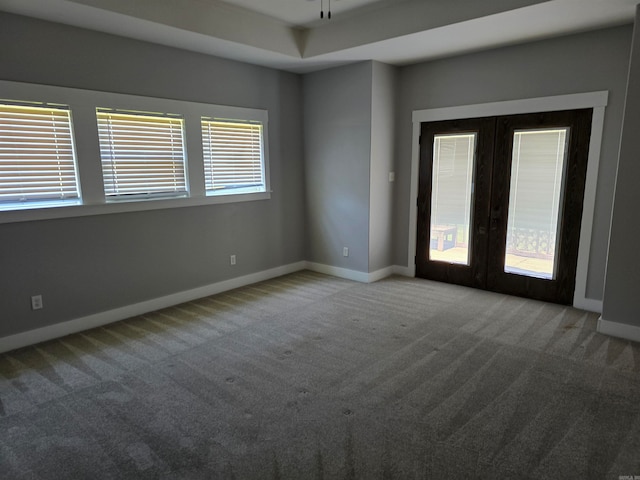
{"type": "Point", "coordinates": [345, 251]}
{"type": "Point", "coordinates": [232, 259]}
{"type": "Point", "coordinates": [36, 302]}
{"type": "Point", "coordinates": [392, 176]}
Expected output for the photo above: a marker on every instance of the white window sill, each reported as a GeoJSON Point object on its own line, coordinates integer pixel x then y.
{"type": "Point", "coordinates": [51, 211]}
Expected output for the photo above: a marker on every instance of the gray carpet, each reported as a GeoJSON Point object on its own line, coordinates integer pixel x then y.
{"type": "Point", "coordinates": [312, 377]}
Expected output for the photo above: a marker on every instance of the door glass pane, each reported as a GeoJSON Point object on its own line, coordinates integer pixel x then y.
{"type": "Point", "coordinates": [535, 194]}
{"type": "Point", "coordinates": [452, 197]}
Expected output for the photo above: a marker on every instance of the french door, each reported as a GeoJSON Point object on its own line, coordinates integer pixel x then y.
{"type": "Point", "coordinates": [500, 202]}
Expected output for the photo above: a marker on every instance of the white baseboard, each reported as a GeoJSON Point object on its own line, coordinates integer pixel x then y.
{"type": "Point", "coordinates": [345, 273]}
{"type": "Point", "coordinates": [103, 318]}
{"type": "Point", "coordinates": [357, 276]}
{"type": "Point", "coordinates": [620, 330]}
{"type": "Point", "coordinates": [588, 304]}
{"type": "Point", "coordinates": [380, 274]}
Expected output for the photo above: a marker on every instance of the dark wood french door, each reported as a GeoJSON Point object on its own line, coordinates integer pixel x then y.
{"type": "Point", "coordinates": [500, 202]}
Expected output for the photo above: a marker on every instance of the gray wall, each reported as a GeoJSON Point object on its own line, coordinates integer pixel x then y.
{"type": "Point", "coordinates": [337, 152]}
{"type": "Point", "coordinates": [382, 145]}
{"type": "Point", "coordinates": [573, 64]}
{"type": "Point", "coordinates": [621, 300]}
{"type": "Point", "coordinates": [91, 264]}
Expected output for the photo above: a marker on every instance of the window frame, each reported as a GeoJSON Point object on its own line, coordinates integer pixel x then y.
{"type": "Point", "coordinates": [83, 103]}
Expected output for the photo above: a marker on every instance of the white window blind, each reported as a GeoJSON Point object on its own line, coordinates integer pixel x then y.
{"type": "Point", "coordinates": [233, 156]}
{"type": "Point", "coordinates": [37, 158]}
{"type": "Point", "coordinates": [142, 154]}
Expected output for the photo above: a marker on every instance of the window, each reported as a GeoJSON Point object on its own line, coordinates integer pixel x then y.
{"type": "Point", "coordinates": [233, 156]}
{"type": "Point", "coordinates": [37, 156]}
{"type": "Point", "coordinates": [142, 154]}
{"type": "Point", "coordinates": [128, 157]}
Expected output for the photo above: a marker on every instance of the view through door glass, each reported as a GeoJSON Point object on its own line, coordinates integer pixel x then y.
{"type": "Point", "coordinates": [500, 202]}
{"type": "Point", "coordinates": [537, 169]}
{"type": "Point", "coordinates": [451, 197]}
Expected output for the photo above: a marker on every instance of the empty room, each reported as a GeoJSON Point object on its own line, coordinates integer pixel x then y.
{"type": "Point", "coordinates": [319, 239]}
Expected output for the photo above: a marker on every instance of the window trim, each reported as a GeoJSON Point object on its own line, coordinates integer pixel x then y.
{"type": "Point", "coordinates": [83, 103]}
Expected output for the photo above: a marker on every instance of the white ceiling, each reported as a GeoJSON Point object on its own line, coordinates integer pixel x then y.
{"type": "Point", "coordinates": [288, 34]}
